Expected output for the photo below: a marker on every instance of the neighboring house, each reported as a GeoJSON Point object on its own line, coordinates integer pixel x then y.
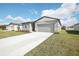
{"type": "Point", "coordinates": [26, 26]}
{"type": "Point", "coordinates": [47, 24]}
{"type": "Point", "coordinates": [76, 27]}
{"type": "Point", "coordinates": [12, 27]}
{"type": "Point", "coordinates": [70, 28]}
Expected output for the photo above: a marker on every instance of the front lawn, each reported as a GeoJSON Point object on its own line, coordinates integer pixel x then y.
{"type": "Point", "coordinates": [64, 43]}
{"type": "Point", "coordinates": [4, 33]}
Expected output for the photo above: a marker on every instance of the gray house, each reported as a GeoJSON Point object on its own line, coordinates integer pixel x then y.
{"type": "Point", "coordinates": [43, 24]}
{"type": "Point", "coordinates": [74, 27]}
{"type": "Point", "coordinates": [47, 24]}
{"type": "Point", "coordinates": [70, 28]}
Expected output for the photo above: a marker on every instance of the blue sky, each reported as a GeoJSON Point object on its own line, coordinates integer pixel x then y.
{"type": "Point", "coordinates": [33, 11]}
{"type": "Point", "coordinates": [24, 10]}
{"type": "Point", "coordinates": [29, 10]}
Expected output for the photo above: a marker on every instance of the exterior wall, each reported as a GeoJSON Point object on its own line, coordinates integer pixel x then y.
{"type": "Point", "coordinates": [20, 27]}
{"type": "Point", "coordinates": [12, 28]}
{"type": "Point", "coordinates": [36, 27]}
{"type": "Point", "coordinates": [27, 27]}
{"type": "Point", "coordinates": [68, 28]}
{"type": "Point", "coordinates": [76, 27]}
{"type": "Point", "coordinates": [8, 28]}
{"type": "Point", "coordinates": [30, 27]}
{"type": "Point", "coordinates": [57, 27]}
{"type": "Point", "coordinates": [15, 27]}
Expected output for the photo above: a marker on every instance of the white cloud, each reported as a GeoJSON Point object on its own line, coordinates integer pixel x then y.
{"type": "Point", "coordinates": [19, 19]}
{"type": "Point", "coordinates": [49, 12]}
{"type": "Point", "coordinates": [64, 10]}
{"type": "Point", "coordinates": [9, 17]}
{"type": "Point", "coordinates": [65, 13]}
{"type": "Point", "coordinates": [70, 21]}
{"type": "Point", "coordinates": [28, 19]}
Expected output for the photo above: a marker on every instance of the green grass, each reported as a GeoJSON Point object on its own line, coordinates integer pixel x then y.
{"type": "Point", "coordinates": [4, 34]}
{"type": "Point", "coordinates": [62, 44]}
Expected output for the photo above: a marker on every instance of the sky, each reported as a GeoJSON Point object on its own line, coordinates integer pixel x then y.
{"type": "Point", "coordinates": [68, 13]}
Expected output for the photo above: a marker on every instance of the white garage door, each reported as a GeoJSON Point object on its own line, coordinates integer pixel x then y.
{"type": "Point", "coordinates": [45, 27]}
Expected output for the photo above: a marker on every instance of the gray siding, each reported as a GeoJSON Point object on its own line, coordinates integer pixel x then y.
{"type": "Point", "coordinates": [47, 25]}
{"type": "Point", "coordinates": [76, 27]}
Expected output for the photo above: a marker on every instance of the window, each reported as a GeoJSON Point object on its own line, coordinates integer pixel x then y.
{"type": "Point", "coordinates": [25, 26]}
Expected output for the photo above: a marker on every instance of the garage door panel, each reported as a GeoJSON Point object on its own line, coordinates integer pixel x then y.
{"type": "Point", "coordinates": [45, 27]}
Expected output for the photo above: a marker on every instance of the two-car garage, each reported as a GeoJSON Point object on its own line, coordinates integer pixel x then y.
{"type": "Point", "coordinates": [47, 24]}
{"type": "Point", "coordinates": [45, 27]}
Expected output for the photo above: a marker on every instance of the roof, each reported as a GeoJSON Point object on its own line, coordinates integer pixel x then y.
{"type": "Point", "coordinates": [70, 26]}
{"type": "Point", "coordinates": [13, 24]}
{"type": "Point", "coordinates": [26, 22]}
{"type": "Point", "coordinates": [50, 18]}
{"type": "Point", "coordinates": [76, 24]}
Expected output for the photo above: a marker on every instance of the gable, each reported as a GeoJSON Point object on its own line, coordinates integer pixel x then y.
{"type": "Point", "coordinates": [46, 19]}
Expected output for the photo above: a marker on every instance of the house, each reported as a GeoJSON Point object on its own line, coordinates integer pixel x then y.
{"type": "Point", "coordinates": [43, 24]}
{"type": "Point", "coordinates": [12, 27]}
{"type": "Point", "coordinates": [70, 28]}
{"type": "Point", "coordinates": [76, 27]}
{"type": "Point", "coordinates": [26, 26]}
{"type": "Point", "coordinates": [47, 24]}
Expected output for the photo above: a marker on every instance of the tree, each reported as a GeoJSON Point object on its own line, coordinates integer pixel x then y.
{"type": "Point", "coordinates": [63, 27]}
{"type": "Point", "coordinates": [3, 27]}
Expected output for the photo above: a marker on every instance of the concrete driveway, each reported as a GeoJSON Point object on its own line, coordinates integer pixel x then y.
{"type": "Point", "coordinates": [19, 45]}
